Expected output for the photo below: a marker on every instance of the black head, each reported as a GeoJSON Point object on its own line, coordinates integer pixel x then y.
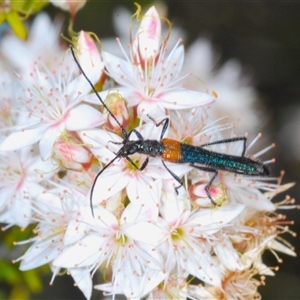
{"type": "Point", "coordinates": [130, 147]}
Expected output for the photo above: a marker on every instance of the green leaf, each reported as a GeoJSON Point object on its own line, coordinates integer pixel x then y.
{"type": "Point", "coordinates": [33, 280]}
{"type": "Point", "coordinates": [9, 272]}
{"type": "Point", "coordinates": [16, 24]}
{"type": "Point", "coordinates": [2, 17]}
{"type": "Point", "coordinates": [28, 7]}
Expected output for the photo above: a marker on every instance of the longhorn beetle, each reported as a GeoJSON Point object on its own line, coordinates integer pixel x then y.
{"type": "Point", "coordinates": [176, 152]}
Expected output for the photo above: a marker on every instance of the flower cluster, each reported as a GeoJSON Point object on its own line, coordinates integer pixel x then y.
{"type": "Point", "coordinates": [149, 236]}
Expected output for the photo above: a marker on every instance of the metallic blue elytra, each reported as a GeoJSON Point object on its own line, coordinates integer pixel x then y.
{"type": "Point", "coordinates": [232, 163]}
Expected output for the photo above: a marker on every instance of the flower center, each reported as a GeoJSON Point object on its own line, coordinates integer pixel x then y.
{"type": "Point", "coordinates": [138, 163]}
{"type": "Point", "coordinates": [121, 239]}
{"type": "Point", "coordinates": [177, 234]}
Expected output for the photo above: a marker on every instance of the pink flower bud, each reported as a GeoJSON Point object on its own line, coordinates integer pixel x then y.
{"type": "Point", "coordinates": [148, 38]}
{"type": "Point", "coordinates": [88, 56]}
{"type": "Point", "coordinates": [117, 105]}
{"type": "Point", "coordinates": [69, 5]}
{"type": "Point", "coordinates": [71, 154]}
{"type": "Point", "coordinates": [199, 196]}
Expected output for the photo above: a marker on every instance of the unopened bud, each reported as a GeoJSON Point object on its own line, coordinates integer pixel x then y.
{"type": "Point", "coordinates": [71, 153]}
{"type": "Point", "coordinates": [117, 105]}
{"type": "Point", "coordinates": [69, 5]}
{"type": "Point", "coordinates": [199, 197]}
{"type": "Point", "coordinates": [88, 56]}
{"type": "Point", "coordinates": [148, 38]}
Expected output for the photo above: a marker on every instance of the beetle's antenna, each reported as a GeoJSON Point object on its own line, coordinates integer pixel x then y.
{"type": "Point", "coordinates": [95, 180]}
{"type": "Point", "coordinates": [97, 94]}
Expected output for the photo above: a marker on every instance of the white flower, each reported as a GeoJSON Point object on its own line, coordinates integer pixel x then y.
{"type": "Point", "coordinates": [236, 285]}
{"type": "Point", "coordinates": [231, 83]}
{"type": "Point", "coordinates": [226, 252]}
{"type": "Point", "coordinates": [8, 102]}
{"type": "Point", "coordinates": [195, 127]}
{"type": "Point", "coordinates": [173, 288]}
{"type": "Point", "coordinates": [51, 104]}
{"type": "Point", "coordinates": [235, 92]}
{"type": "Point", "coordinates": [188, 235]}
{"type": "Point", "coordinates": [43, 44]}
{"type": "Point", "coordinates": [149, 78]}
{"type": "Point", "coordinates": [126, 244]}
{"type": "Point", "coordinates": [21, 173]}
{"type": "Point", "coordinates": [264, 233]}
{"type": "Point", "coordinates": [54, 209]}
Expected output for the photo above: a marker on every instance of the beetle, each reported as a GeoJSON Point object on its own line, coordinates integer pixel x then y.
{"type": "Point", "coordinates": [173, 151]}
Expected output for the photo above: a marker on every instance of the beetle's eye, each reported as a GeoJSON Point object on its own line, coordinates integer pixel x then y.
{"type": "Point", "coordinates": [132, 149]}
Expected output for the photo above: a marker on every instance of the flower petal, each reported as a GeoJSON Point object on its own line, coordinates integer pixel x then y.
{"type": "Point", "coordinates": [83, 280]}
{"type": "Point", "coordinates": [228, 255]}
{"type": "Point", "coordinates": [145, 232]}
{"type": "Point", "coordinates": [171, 208]}
{"type": "Point", "coordinates": [144, 190]}
{"type": "Point", "coordinates": [148, 37]}
{"type": "Point", "coordinates": [48, 140]}
{"type": "Point", "coordinates": [109, 185]}
{"type": "Point", "coordinates": [98, 141]}
{"type": "Point", "coordinates": [251, 197]}
{"type": "Point", "coordinates": [84, 116]}
{"type": "Point", "coordinates": [275, 245]}
{"type": "Point", "coordinates": [183, 99]}
{"type": "Point", "coordinates": [175, 61]}
{"type": "Point", "coordinates": [23, 138]}
{"type": "Point", "coordinates": [40, 253]}
{"type": "Point", "coordinates": [212, 222]}
{"type": "Point", "coordinates": [118, 67]}
{"type": "Point", "coordinates": [89, 56]}
{"type": "Point", "coordinates": [84, 253]}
